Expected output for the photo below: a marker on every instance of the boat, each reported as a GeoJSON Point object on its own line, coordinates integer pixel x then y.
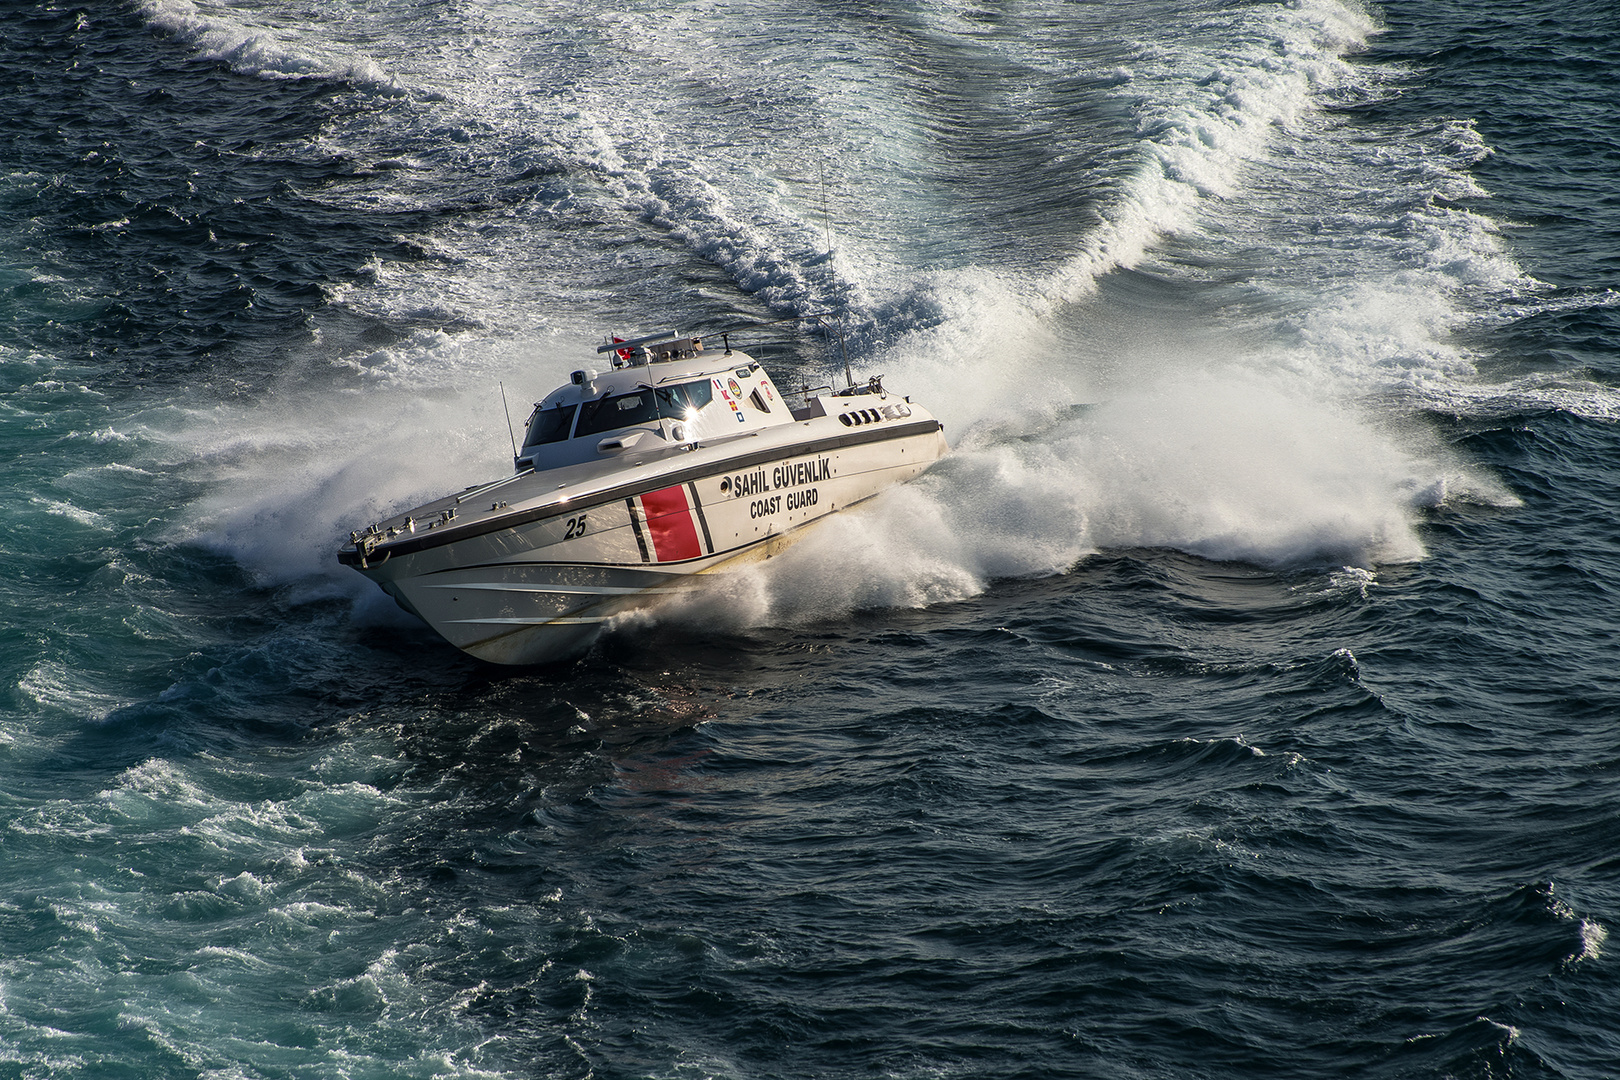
{"type": "Point", "coordinates": [634, 483]}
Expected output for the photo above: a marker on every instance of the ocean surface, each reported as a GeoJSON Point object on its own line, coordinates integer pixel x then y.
{"type": "Point", "coordinates": [1239, 699]}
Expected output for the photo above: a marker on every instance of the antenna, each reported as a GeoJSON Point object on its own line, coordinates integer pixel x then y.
{"type": "Point", "coordinates": [826, 224]}
{"type": "Point", "coordinates": [507, 409]}
{"type": "Point", "coordinates": [838, 328]}
{"type": "Point", "coordinates": [829, 323]}
{"type": "Point", "coordinates": [826, 218]}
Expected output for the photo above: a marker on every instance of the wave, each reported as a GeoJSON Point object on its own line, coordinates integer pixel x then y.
{"type": "Point", "coordinates": [1234, 357]}
{"type": "Point", "coordinates": [266, 52]}
{"type": "Point", "coordinates": [1266, 69]}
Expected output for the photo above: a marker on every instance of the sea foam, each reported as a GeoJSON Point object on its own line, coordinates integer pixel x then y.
{"type": "Point", "coordinates": [1216, 440]}
{"type": "Point", "coordinates": [217, 32]}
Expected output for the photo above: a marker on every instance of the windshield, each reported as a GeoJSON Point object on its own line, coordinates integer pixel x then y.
{"type": "Point", "coordinates": [692, 396]}
{"type": "Point", "coordinates": [550, 425]}
{"type": "Point", "coordinates": [623, 410]}
{"type": "Point", "coordinates": [645, 406]}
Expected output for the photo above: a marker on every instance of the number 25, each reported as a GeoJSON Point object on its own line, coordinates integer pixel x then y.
{"type": "Point", "coordinates": [576, 527]}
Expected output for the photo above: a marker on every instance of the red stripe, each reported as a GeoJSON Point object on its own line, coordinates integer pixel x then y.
{"type": "Point", "coordinates": [669, 523]}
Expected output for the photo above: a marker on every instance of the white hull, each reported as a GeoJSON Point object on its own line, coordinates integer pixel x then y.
{"type": "Point", "coordinates": [528, 570]}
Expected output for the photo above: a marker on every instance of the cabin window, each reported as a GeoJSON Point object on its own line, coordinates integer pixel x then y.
{"type": "Point", "coordinates": [550, 425]}
{"type": "Point", "coordinates": [692, 396]}
{"type": "Point", "coordinates": [619, 411]}
{"type": "Point", "coordinates": [758, 401]}
{"type": "Point", "coordinates": [645, 406]}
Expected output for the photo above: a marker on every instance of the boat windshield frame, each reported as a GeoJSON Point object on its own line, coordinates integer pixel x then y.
{"type": "Point", "coordinates": [611, 412]}
{"type": "Point", "coordinates": [551, 425]}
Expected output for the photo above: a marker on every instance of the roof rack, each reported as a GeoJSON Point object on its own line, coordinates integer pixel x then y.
{"type": "Point", "coordinates": [634, 342]}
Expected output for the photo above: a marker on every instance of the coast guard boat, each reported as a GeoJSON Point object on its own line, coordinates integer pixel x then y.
{"type": "Point", "coordinates": [675, 462]}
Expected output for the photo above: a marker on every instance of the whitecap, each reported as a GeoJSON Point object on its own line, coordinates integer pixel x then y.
{"type": "Point", "coordinates": [61, 508]}
{"type": "Point", "coordinates": [267, 52]}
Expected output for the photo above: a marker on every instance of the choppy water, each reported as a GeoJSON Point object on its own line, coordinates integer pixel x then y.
{"type": "Point", "coordinates": [1238, 700]}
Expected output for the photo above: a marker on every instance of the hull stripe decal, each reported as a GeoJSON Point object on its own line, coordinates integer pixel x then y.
{"type": "Point", "coordinates": [635, 523]}
{"type": "Point", "coordinates": [669, 523]}
{"type": "Point", "coordinates": [703, 522]}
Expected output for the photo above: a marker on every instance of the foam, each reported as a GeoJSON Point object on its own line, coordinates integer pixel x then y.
{"type": "Point", "coordinates": [1227, 471]}
{"type": "Point", "coordinates": [50, 684]}
{"type": "Point", "coordinates": [1349, 580]}
{"type": "Point", "coordinates": [1198, 137]}
{"type": "Point", "coordinates": [260, 50]}
{"type": "Point", "coordinates": [1530, 306]}
{"type": "Point", "coordinates": [1238, 471]}
{"type": "Point", "coordinates": [1532, 393]}
{"type": "Point", "coordinates": [79, 515]}
{"type": "Point", "coordinates": [154, 785]}
{"type": "Point", "coordinates": [290, 477]}
{"type": "Point", "coordinates": [1245, 442]}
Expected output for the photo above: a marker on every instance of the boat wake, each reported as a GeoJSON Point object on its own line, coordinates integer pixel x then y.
{"type": "Point", "coordinates": [1220, 258]}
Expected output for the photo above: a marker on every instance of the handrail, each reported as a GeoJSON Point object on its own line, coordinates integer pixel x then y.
{"type": "Point", "coordinates": [483, 489]}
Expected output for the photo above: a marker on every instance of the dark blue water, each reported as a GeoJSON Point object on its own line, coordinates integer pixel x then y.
{"type": "Point", "coordinates": [1238, 699]}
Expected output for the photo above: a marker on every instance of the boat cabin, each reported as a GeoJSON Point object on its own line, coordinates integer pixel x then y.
{"type": "Point", "coordinates": [661, 392]}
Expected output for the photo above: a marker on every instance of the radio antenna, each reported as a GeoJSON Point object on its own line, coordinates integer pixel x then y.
{"type": "Point", "coordinates": [507, 409]}
{"type": "Point", "coordinates": [826, 218]}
